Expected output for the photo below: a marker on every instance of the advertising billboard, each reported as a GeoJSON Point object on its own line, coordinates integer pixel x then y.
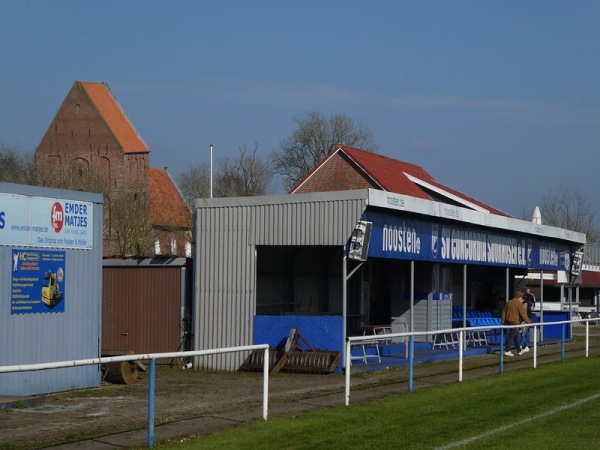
{"type": "Point", "coordinates": [38, 280]}
{"type": "Point", "coordinates": [45, 222]}
{"type": "Point", "coordinates": [407, 238]}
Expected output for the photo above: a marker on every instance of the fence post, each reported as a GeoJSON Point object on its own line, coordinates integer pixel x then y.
{"type": "Point", "coordinates": [151, 383]}
{"type": "Point", "coordinates": [347, 361]}
{"type": "Point", "coordinates": [587, 338]}
{"type": "Point", "coordinates": [460, 354]}
{"type": "Point", "coordinates": [562, 345]}
{"type": "Point", "coordinates": [535, 338]}
{"type": "Point", "coordinates": [501, 351]}
{"type": "Point", "coordinates": [411, 361]}
{"type": "Point", "coordinates": [266, 385]}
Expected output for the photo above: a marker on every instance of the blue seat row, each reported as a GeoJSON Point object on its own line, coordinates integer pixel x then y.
{"type": "Point", "coordinates": [457, 314]}
{"type": "Point", "coordinates": [484, 321]}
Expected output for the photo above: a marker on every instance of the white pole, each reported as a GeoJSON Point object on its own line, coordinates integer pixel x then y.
{"type": "Point", "coordinates": [461, 339]}
{"type": "Point", "coordinates": [535, 342]}
{"type": "Point", "coordinates": [347, 351]}
{"type": "Point", "coordinates": [587, 338]}
{"type": "Point", "coordinates": [266, 384]}
{"type": "Point", "coordinates": [541, 335]}
{"type": "Point", "coordinates": [345, 309]}
{"type": "Point", "coordinates": [464, 324]}
{"type": "Point", "coordinates": [211, 171]}
{"type": "Point", "coordinates": [412, 303]}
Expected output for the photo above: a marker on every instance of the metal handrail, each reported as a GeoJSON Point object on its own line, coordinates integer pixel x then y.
{"type": "Point", "coordinates": [152, 371]}
{"type": "Point", "coordinates": [461, 333]}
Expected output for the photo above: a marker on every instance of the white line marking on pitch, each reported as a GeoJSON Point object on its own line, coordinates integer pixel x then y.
{"type": "Point", "coordinates": [520, 422]}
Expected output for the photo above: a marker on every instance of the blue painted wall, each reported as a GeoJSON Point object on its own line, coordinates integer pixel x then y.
{"type": "Point", "coordinates": [323, 332]}
{"type": "Point", "coordinates": [555, 331]}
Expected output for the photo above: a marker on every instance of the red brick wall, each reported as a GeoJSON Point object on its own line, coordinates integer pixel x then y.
{"type": "Point", "coordinates": [336, 174]}
{"type": "Point", "coordinates": [78, 132]}
{"type": "Point", "coordinates": [136, 170]}
{"type": "Point", "coordinates": [79, 136]}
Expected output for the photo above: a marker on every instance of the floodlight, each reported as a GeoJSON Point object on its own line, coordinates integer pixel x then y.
{"type": "Point", "coordinates": [359, 241]}
{"type": "Point", "coordinates": [577, 260]}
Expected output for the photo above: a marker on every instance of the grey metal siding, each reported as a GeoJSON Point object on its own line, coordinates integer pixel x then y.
{"type": "Point", "coordinates": [227, 233]}
{"type": "Point", "coordinates": [49, 337]}
{"type": "Point", "coordinates": [225, 283]}
{"type": "Point", "coordinates": [322, 223]}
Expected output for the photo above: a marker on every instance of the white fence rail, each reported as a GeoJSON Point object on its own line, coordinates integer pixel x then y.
{"type": "Point", "coordinates": [152, 371]}
{"type": "Point", "coordinates": [361, 340]}
{"type": "Point", "coordinates": [350, 341]}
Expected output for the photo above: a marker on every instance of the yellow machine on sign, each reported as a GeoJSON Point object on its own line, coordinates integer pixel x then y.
{"type": "Point", "coordinates": [51, 294]}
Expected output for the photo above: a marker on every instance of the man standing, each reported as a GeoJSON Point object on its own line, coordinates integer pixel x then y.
{"type": "Point", "coordinates": [514, 312]}
{"type": "Point", "coordinates": [529, 303]}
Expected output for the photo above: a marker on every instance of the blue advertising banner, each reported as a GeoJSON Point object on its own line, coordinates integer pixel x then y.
{"type": "Point", "coordinates": [38, 278]}
{"type": "Point", "coordinates": [406, 238]}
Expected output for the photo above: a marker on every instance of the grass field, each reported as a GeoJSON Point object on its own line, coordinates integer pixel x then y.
{"type": "Point", "coordinates": [555, 406]}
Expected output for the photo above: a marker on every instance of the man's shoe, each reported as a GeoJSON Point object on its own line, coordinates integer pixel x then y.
{"type": "Point", "coordinates": [509, 353]}
{"type": "Point", "coordinates": [523, 350]}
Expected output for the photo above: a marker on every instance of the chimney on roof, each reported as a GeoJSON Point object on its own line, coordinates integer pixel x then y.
{"type": "Point", "coordinates": [166, 168]}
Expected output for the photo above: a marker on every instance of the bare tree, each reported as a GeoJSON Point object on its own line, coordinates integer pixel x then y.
{"type": "Point", "coordinates": [75, 175]}
{"type": "Point", "coordinates": [128, 230]}
{"type": "Point", "coordinates": [194, 183]}
{"type": "Point", "coordinates": [569, 209]}
{"type": "Point", "coordinates": [314, 137]}
{"type": "Point", "coordinates": [16, 167]}
{"type": "Point", "coordinates": [245, 176]}
{"type": "Point", "coordinates": [126, 226]}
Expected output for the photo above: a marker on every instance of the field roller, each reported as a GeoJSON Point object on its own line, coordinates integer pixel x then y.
{"type": "Point", "coordinates": [296, 356]}
{"type": "Point", "coordinates": [123, 372]}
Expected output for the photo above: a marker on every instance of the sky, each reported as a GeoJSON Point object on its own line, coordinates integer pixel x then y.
{"type": "Point", "coordinates": [498, 100]}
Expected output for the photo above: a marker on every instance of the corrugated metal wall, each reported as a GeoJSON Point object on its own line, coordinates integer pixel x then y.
{"type": "Point", "coordinates": [143, 305]}
{"type": "Point", "coordinates": [227, 233]}
{"type": "Point", "coordinates": [49, 337]}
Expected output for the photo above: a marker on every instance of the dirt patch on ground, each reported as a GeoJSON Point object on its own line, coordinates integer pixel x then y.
{"type": "Point", "coordinates": [193, 402]}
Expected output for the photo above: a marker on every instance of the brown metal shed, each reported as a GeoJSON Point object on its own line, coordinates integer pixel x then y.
{"type": "Point", "coordinates": [145, 304]}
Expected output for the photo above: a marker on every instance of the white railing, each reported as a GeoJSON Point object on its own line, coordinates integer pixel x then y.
{"type": "Point", "coordinates": [591, 255]}
{"type": "Point", "coordinates": [361, 340]}
{"type": "Point", "coordinates": [152, 371]}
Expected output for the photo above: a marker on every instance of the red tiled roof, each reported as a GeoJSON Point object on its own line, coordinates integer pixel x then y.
{"type": "Point", "coordinates": [115, 118]}
{"type": "Point", "coordinates": [167, 207]}
{"type": "Point", "coordinates": [391, 175]}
